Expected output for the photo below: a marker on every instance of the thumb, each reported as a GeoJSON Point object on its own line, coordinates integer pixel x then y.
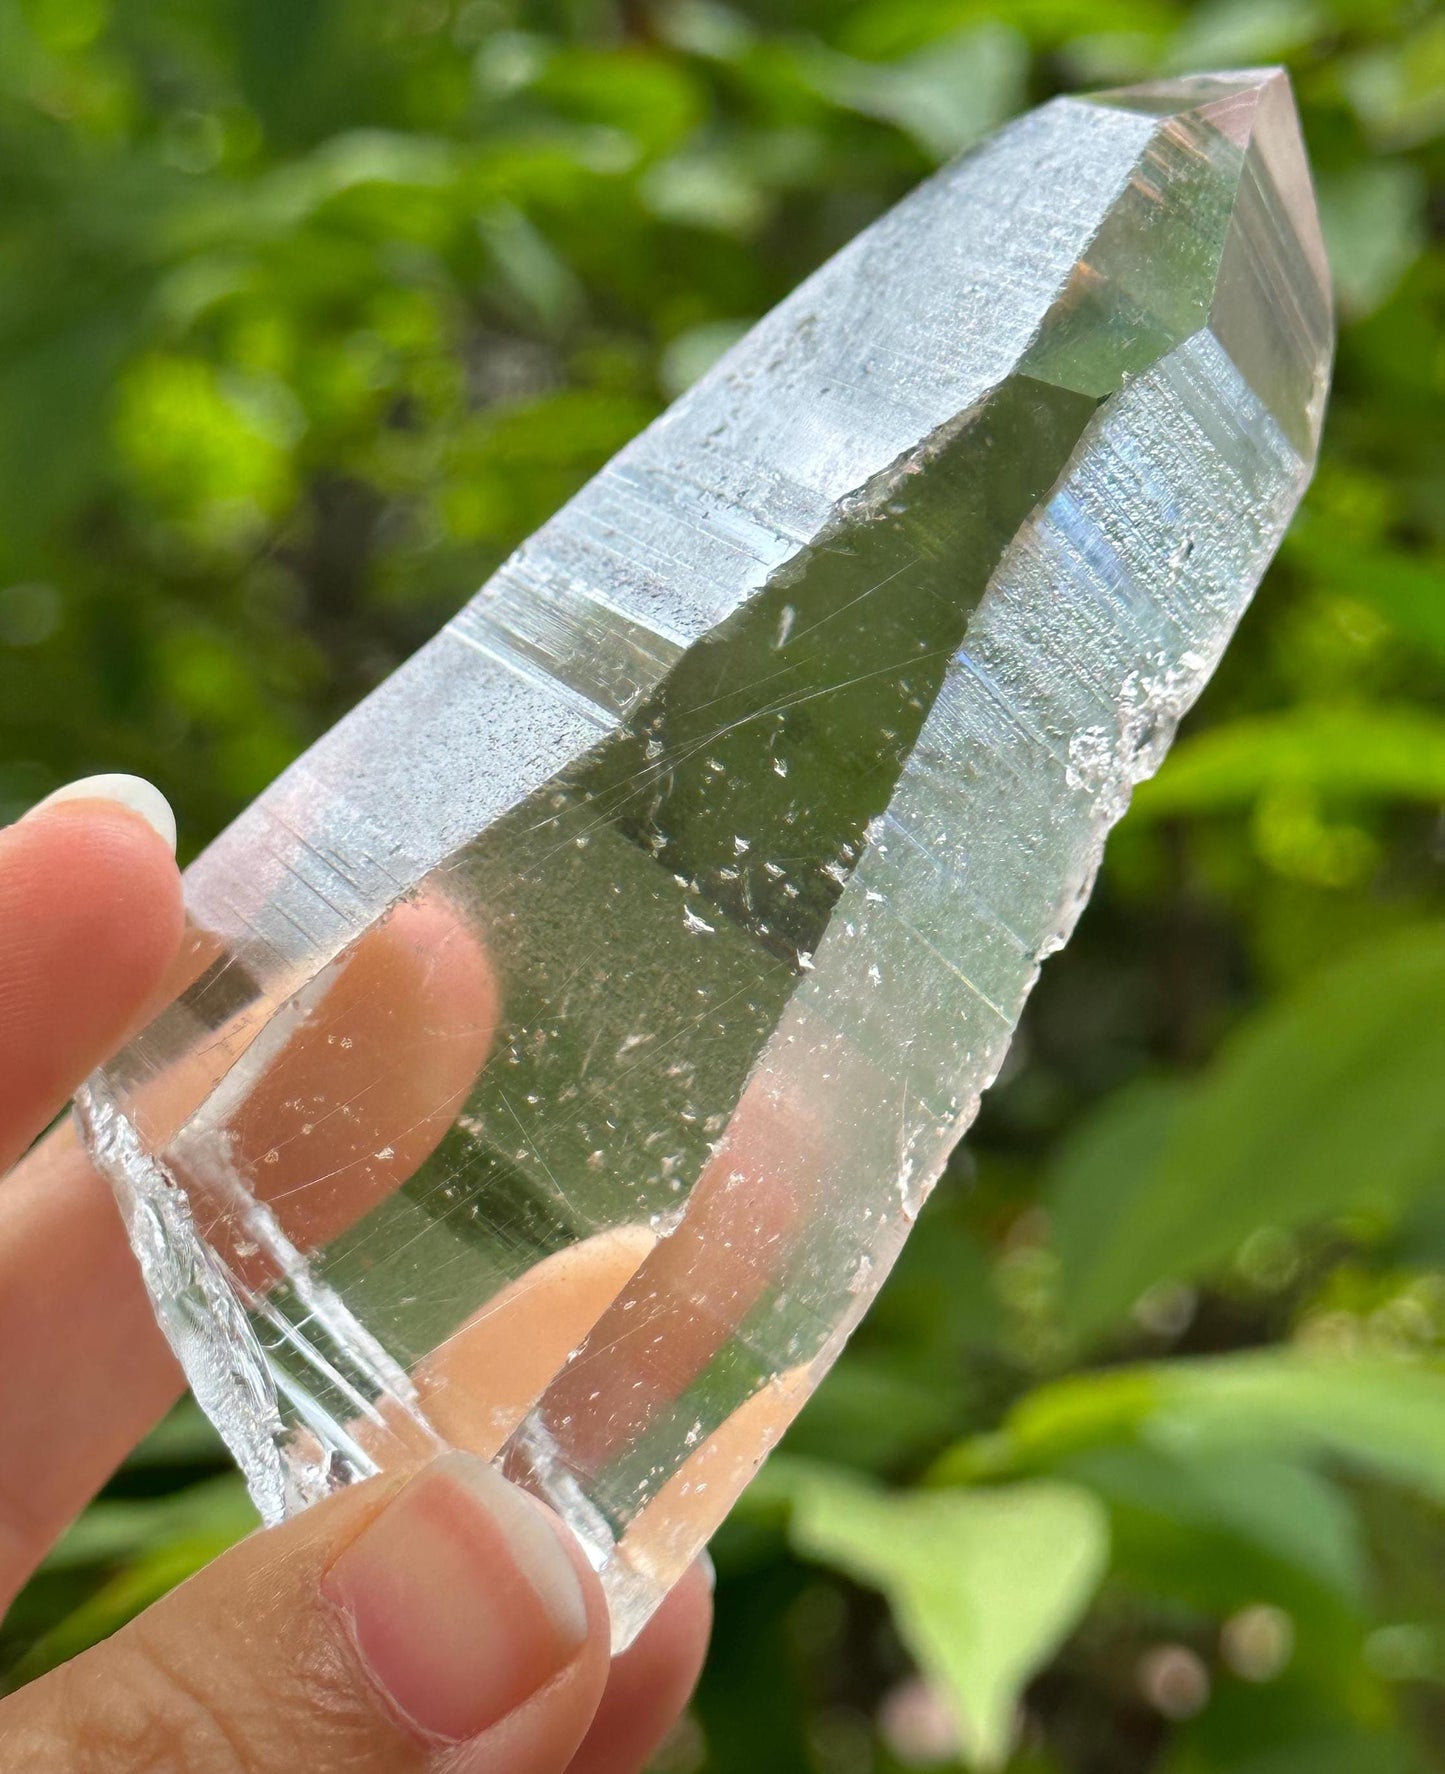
{"type": "Point", "coordinates": [446, 1620]}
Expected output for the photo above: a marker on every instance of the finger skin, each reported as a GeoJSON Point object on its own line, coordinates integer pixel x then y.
{"type": "Point", "coordinates": [651, 1682]}
{"type": "Point", "coordinates": [91, 1371]}
{"type": "Point", "coordinates": [90, 916]}
{"type": "Point", "coordinates": [74, 1320]}
{"type": "Point", "coordinates": [357, 1101]}
{"type": "Point", "coordinates": [253, 1668]}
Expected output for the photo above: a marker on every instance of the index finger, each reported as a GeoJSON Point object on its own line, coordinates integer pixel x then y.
{"type": "Point", "coordinates": [90, 917]}
{"type": "Point", "coordinates": [90, 920]}
{"type": "Point", "coordinates": [92, 1370]}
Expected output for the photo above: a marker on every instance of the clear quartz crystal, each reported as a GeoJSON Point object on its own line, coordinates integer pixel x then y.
{"type": "Point", "coordinates": [565, 1045]}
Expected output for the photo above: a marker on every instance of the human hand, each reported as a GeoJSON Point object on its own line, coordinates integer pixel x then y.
{"type": "Point", "coordinates": [438, 1619]}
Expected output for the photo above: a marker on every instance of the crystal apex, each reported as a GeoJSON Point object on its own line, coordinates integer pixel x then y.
{"type": "Point", "coordinates": [1255, 109]}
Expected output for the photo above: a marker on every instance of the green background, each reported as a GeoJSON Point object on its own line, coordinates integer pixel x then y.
{"type": "Point", "coordinates": [311, 309]}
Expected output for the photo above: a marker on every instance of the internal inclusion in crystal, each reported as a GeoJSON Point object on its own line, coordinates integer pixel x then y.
{"type": "Point", "coordinates": [699, 854]}
{"type": "Point", "coordinates": [585, 1140]}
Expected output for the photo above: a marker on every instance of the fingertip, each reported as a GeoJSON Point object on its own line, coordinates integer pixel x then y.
{"type": "Point", "coordinates": [91, 916]}
{"type": "Point", "coordinates": [119, 789]}
{"type": "Point", "coordinates": [101, 875]}
{"type": "Point", "coordinates": [429, 1619]}
{"type": "Point", "coordinates": [464, 1599]}
{"type": "Point", "coordinates": [651, 1683]}
{"type": "Point", "coordinates": [444, 966]}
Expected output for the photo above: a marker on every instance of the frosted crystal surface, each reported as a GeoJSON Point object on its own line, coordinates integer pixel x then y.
{"type": "Point", "coordinates": [566, 1044]}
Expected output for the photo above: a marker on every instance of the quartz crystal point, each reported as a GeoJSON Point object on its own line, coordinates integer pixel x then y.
{"type": "Point", "coordinates": [566, 1043]}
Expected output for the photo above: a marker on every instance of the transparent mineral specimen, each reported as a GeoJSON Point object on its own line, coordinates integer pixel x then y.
{"type": "Point", "coordinates": [567, 1043]}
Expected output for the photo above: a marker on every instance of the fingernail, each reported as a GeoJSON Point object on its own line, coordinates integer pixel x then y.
{"type": "Point", "coordinates": [133, 792]}
{"type": "Point", "coordinates": [708, 1569]}
{"type": "Point", "coordinates": [461, 1598]}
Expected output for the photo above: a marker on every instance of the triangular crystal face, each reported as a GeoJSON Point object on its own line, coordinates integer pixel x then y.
{"type": "Point", "coordinates": [1231, 94]}
{"type": "Point", "coordinates": [1224, 185]}
{"type": "Point", "coordinates": [575, 1032]}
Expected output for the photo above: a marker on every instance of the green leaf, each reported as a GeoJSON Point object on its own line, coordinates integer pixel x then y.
{"type": "Point", "coordinates": [693, 352]}
{"type": "Point", "coordinates": [1324, 1103]}
{"type": "Point", "coordinates": [1332, 1753]}
{"type": "Point", "coordinates": [1388, 754]}
{"type": "Point", "coordinates": [183, 1437]}
{"type": "Point", "coordinates": [57, 384]}
{"type": "Point", "coordinates": [888, 27]}
{"type": "Point", "coordinates": [1377, 1416]}
{"type": "Point", "coordinates": [532, 271]}
{"type": "Point", "coordinates": [1404, 589]}
{"type": "Point", "coordinates": [1374, 226]}
{"type": "Point", "coordinates": [652, 98]}
{"type": "Point", "coordinates": [1398, 89]}
{"type": "Point", "coordinates": [704, 189]}
{"type": "Point", "coordinates": [1107, 1169]}
{"type": "Point", "coordinates": [944, 96]}
{"type": "Point", "coordinates": [984, 1585]}
{"type": "Point", "coordinates": [1224, 1527]}
{"type": "Point", "coordinates": [1237, 33]}
{"type": "Point", "coordinates": [109, 1531]}
{"type": "Point", "coordinates": [874, 1413]}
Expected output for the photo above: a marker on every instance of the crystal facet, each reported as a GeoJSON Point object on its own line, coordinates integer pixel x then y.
{"type": "Point", "coordinates": [567, 1042]}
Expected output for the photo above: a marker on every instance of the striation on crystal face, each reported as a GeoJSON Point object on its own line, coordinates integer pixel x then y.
{"type": "Point", "coordinates": [566, 1044]}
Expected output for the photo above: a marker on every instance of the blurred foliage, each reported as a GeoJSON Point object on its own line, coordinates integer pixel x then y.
{"type": "Point", "coordinates": [311, 309]}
